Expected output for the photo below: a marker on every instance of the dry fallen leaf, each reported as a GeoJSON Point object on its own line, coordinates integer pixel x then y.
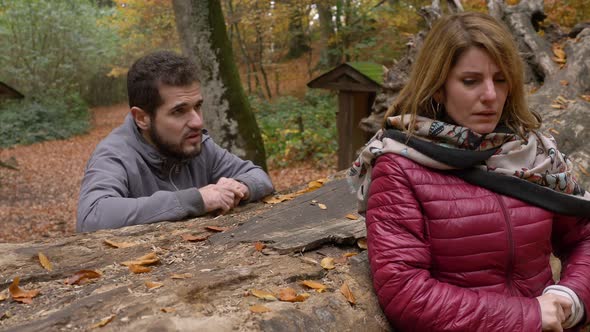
{"type": "Point", "coordinates": [350, 254]}
{"type": "Point", "coordinates": [82, 277]}
{"type": "Point", "coordinates": [583, 170]}
{"type": "Point", "coordinates": [362, 243]}
{"type": "Point", "coordinates": [216, 228]}
{"type": "Point", "coordinates": [564, 82]}
{"type": "Point", "coordinates": [258, 309]}
{"type": "Point", "coordinates": [181, 276]}
{"type": "Point", "coordinates": [345, 290]}
{"type": "Point", "coordinates": [555, 132]}
{"type": "Point", "coordinates": [139, 268]}
{"type": "Point", "coordinates": [585, 97]}
{"type": "Point", "coordinates": [119, 245]}
{"type": "Point", "coordinates": [45, 262]}
{"type": "Point", "coordinates": [559, 53]}
{"type": "Point", "coordinates": [351, 216]}
{"type": "Point", "coordinates": [168, 309]}
{"type": "Point", "coordinates": [327, 263]}
{"type": "Point", "coordinates": [314, 285]}
{"type": "Point", "coordinates": [263, 295]}
{"type": "Point", "coordinates": [103, 322]}
{"type": "Point", "coordinates": [153, 284]}
{"type": "Point", "coordinates": [194, 238]}
{"type": "Point", "coordinates": [3, 296]}
{"type": "Point", "coordinates": [290, 295]}
{"type": "Point", "coordinates": [311, 186]}
{"type": "Point", "coordinates": [557, 106]}
{"type": "Point", "coordinates": [322, 206]}
{"type": "Point", "coordinates": [147, 259]}
{"type": "Point", "coordinates": [22, 295]}
{"type": "Point", "coordinates": [259, 246]}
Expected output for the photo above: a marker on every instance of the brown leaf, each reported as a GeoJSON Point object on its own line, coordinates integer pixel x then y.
{"type": "Point", "coordinates": [564, 82]}
{"type": "Point", "coordinates": [259, 246]}
{"type": "Point", "coordinates": [585, 97]}
{"type": "Point", "coordinates": [103, 322]}
{"type": "Point", "coordinates": [345, 290]}
{"type": "Point", "coordinates": [350, 254]}
{"type": "Point", "coordinates": [362, 243]}
{"type": "Point", "coordinates": [153, 284]}
{"type": "Point", "coordinates": [263, 295]}
{"type": "Point", "coordinates": [322, 206]}
{"type": "Point", "coordinates": [194, 238]}
{"type": "Point", "coordinates": [290, 295]}
{"type": "Point", "coordinates": [81, 277]}
{"type": "Point", "coordinates": [327, 263]}
{"type": "Point", "coordinates": [45, 262]}
{"type": "Point", "coordinates": [259, 309]}
{"type": "Point", "coordinates": [553, 131]}
{"type": "Point", "coordinates": [147, 259]}
{"type": "Point", "coordinates": [181, 276]}
{"type": "Point", "coordinates": [314, 285]}
{"type": "Point", "coordinates": [557, 106]}
{"type": "Point", "coordinates": [216, 228]}
{"type": "Point", "coordinates": [168, 309]}
{"type": "Point", "coordinates": [21, 295]}
{"type": "Point", "coordinates": [351, 216]}
{"type": "Point", "coordinates": [559, 53]}
{"type": "Point", "coordinates": [119, 245]}
{"type": "Point", "coordinates": [139, 268]}
{"type": "Point", "coordinates": [583, 170]}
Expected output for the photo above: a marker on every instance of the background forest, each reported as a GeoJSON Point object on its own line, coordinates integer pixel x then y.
{"type": "Point", "coordinates": [67, 56]}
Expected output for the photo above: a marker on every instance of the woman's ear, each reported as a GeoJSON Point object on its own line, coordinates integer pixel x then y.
{"type": "Point", "coordinates": [141, 117]}
{"type": "Point", "coordinates": [439, 96]}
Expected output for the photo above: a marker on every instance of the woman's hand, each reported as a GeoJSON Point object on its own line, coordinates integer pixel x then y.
{"type": "Point", "coordinates": [555, 310]}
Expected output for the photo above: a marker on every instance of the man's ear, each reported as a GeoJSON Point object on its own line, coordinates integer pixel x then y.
{"type": "Point", "coordinates": [141, 117]}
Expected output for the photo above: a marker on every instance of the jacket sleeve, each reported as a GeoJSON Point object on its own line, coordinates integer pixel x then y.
{"type": "Point", "coordinates": [400, 260]}
{"type": "Point", "coordinates": [571, 244]}
{"type": "Point", "coordinates": [225, 164]}
{"type": "Point", "coordinates": [104, 201]}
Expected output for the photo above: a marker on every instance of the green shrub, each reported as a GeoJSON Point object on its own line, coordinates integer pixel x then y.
{"type": "Point", "coordinates": [297, 130]}
{"type": "Point", "coordinates": [29, 121]}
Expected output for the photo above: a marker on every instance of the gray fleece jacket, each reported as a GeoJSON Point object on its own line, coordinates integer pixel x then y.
{"type": "Point", "coordinates": [127, 182]}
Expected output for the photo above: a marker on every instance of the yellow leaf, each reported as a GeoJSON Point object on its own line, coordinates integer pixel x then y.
{"type": "Point", "coordinates": [193, 238]}
{"type": "Point", "coordinates": [45, 262]}
{"type": "Point", "coordinates": [351, 217]}
{"type": "Point", "coordinates": [181, 276]}
{"type": "Point", "coordinates": [22, 295]}
{"type": "Point", "coordinates": [585, 97]}
{"type": "Point", "coordinates": [564, 82]}
{"type": "Point", "coordinates": [350, 254]}
{"type": "Point", "coordinates": [103, 322]}
{"type": "Point", "coordinates": [583, 170]}
{"type": "Point", "coordinates": [557, 106]}
{"type": "Point", "coordinates": [82, 277]}
{"type": "Point", "coordinates": [345, 290]}
{"type": "Point", "coordinates": [322, 206]}
{"type": "Point", "coordinates": [259, 246]}
{"type": "Point", "coordinates": [139, 268]}
{"type": "Point", "coordinates": [259, 309]}
{"type": "Point", "coordinates": [555, 132]}
{"type": "Point", "coordinates": [362, 243]}
{"type": "Point", "coordinates": [263, 295]}
{"type": "Point", "coordinates": [314, 285]}
{"type": "Point", "coordinates": [153, 284]}
{"type": "Point", "coordinates": [119, 244]}
{"type": "Point", "coordinates": [558, 52]}
{"type": "Point", "coordinates": [148, 259]}
{"type": "Point", "coordinates": [327, 263]}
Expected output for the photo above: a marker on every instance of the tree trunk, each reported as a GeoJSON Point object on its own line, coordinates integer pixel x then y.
{"type": "Point", "coordinates": [298, 44]}
{"type": "Point", "coordinates": [329, 54]}
{"type": "Point", "coordinates": [226, 110]}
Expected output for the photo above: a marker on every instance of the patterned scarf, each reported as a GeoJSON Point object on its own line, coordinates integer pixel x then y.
{"type": "Point", "coordinates": [448, 147]}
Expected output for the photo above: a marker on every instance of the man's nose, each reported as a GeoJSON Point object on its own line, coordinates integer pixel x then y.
{"type": "Point", "coordinates": [196, 120]}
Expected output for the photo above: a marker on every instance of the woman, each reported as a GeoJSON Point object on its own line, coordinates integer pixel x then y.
{"type": "Point", "coordinates": [466, 200]}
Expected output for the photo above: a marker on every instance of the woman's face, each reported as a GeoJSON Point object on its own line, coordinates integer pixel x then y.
{"type": "Point", "coordinates": [475, 91]}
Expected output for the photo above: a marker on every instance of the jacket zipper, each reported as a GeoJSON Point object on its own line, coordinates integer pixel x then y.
{"type": "Point", "coordinates": [510, 244]}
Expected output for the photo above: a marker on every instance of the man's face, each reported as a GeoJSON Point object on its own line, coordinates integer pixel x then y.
{"type": "Point", "coordinates": [176, 128]}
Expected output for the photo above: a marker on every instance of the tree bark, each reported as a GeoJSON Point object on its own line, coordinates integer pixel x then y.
{"type": "Point", "coordinates": [226, 110]}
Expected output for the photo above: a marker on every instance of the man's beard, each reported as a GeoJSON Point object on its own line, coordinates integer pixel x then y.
{"type": "Point", "coordinates": [171, 150]}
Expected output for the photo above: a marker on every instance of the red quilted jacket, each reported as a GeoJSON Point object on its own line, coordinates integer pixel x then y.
{"type": "Point", "coordinates": [450, 256]}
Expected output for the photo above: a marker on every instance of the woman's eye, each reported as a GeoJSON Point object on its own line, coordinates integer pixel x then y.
{"type": "Point", "coordinates": [500, 80]}
{"type": "Point", "coordinates": [469, 81]}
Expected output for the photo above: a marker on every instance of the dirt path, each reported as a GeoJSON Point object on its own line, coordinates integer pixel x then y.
{"type": "Point", "coordinates": [39, 200]}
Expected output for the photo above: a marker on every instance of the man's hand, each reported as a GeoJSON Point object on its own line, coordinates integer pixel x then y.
{"type": "Point", "coordinates": [240, 190]}
{"type": "Point", "coordinates": [224, 195]}
{"type": "Point", "coordinates": [555, 310]}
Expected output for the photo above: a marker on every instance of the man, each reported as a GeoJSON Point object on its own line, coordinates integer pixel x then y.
{"type": "Point", "coordinates": [161, 165]}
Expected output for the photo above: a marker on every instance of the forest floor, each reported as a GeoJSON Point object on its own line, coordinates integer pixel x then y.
{"type": "Point", "coordinates": [39, 199]}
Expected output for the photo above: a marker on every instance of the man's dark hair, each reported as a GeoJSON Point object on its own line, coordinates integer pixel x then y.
{"type": "Point", "coordinates": [152, 70]}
